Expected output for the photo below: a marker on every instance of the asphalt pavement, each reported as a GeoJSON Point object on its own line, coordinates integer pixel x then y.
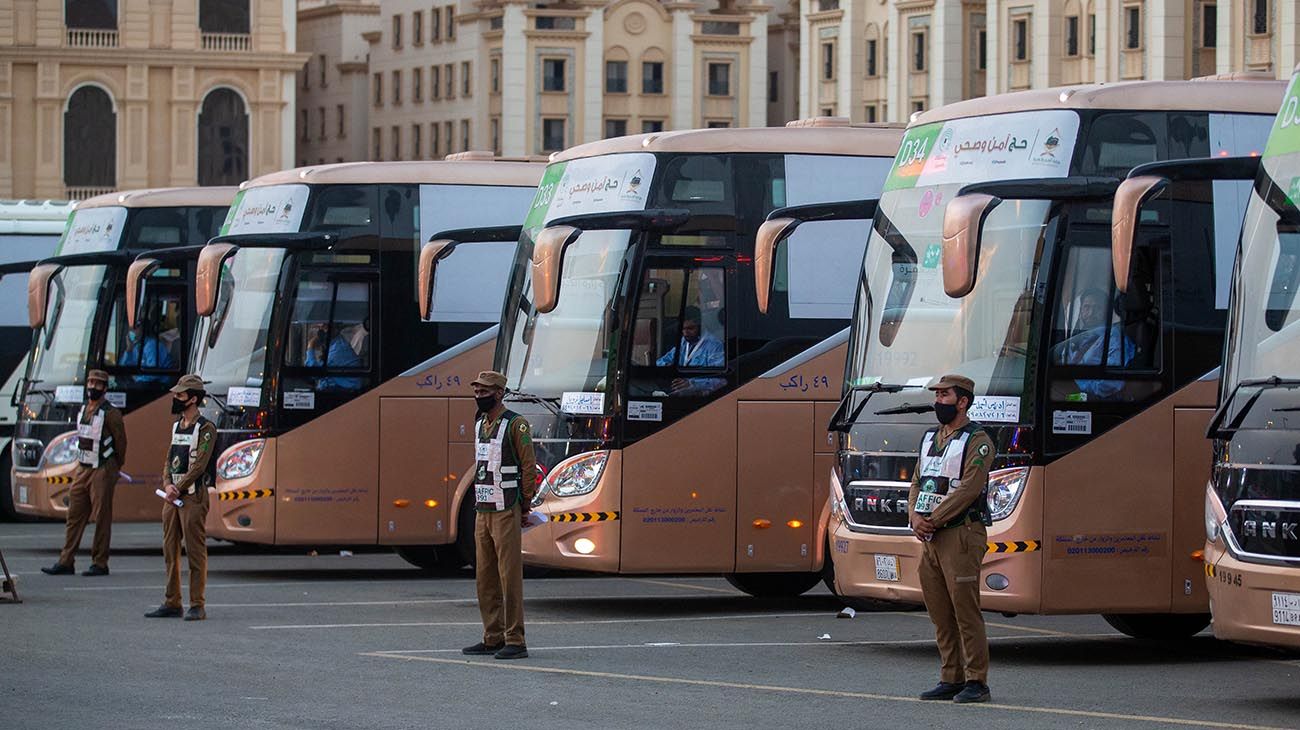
{"type": "Point", "coordinates": [294, 640]}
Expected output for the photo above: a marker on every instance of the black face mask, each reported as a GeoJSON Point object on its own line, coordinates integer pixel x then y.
{"type": "Point", "coordinates": [179, 406]}
{"type": "Point", "coordinates": [945, 412]}
{"type": "Point", "coordinates": [485, 403]}
{"type": "Point", "coordinates": [94, 393]}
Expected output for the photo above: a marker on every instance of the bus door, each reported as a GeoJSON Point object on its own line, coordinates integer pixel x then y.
{"type": "Point", "coordinates": [329, 362]}
{"type": "Point", "coordinates": [1106, 360]}
{"type": "Point", "coordinates": [679, 477]}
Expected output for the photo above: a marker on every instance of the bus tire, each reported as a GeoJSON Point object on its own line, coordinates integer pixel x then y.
{"type": "Point", "coordinates": [465, 548]}
{"type": "Point", "coordinates": [1158, 625]}
{"type": "Point", "coordinates": [774, 585]}
{"type": "Point", "coordinates": [430, 558]}
{"type": "Point", "coordinates": [7, 510]}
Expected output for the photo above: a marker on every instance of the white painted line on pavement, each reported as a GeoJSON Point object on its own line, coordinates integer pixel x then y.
{"type": "Point", "coordinates": [554, 622]}
{"type": "Point", "coordinates": [674, 584]}
{"type": "Point", "coordinates": [305, 604]}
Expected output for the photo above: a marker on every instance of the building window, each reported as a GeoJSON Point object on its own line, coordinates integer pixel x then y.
{"type": "Point", "coordinates": [446, 135]}
{"type": "Point", "coordinates": [1020, 39]}
{"type": "Point", "coordinates": [719, 125]}
{"type": "Point", "coordinates": [553, 74]}
{"type": "Point", "coordinates": [1132, 27]}
{"type": "Point", "coordinates": [215, 16]}
{"type": "Point", "coordinates": [397, 87]}
{"type": "Point", "coordinates": [397, 31]}
{"type": "Point", "coordinates": [435, 24]}
{"type": "Point", "coordinates": [494, 70]}
{"type": "Point", "coordinates": [451, 22]}
{"type": "Point", "coordinates": [92, 14]}
{"type": "Point", "coordinates": [918, 50]}
{"type": "Point", "coordinates": [449, 78]}
{"type": "Point", "coordinates": [1072, 35]}
{"type": "Point", "coordinates": [918, 106]}
{"type": "Point", "coordinates": [496, 135]}
{"type": "Point", "coordinates": [552, 135]}
{"type": "Point", "coordinates": [320, 113]}
{"type": "Point", "coordinates": [435, 90]}
{"type": "Point", "coordinates": [433, 136]}
{"type": "Point", "coordinates": [652, 77]}
{"type": "Point", "coordinates": [872, 49]}
{"type": "Point", "coordinates": [223, 138]}
{"type": "Point", "coordinates": [306, 76]}
{"type": "Point", "coordinates": [1092, 34]}
{"type": "Point", "coordinates": [306, 126]}
{"type": "Point", "coordinates": [719, 79]}
{"type": "Point", "coordinates": [324, 66]}
{"type": "Point", "coordinates": [376, 144]}
{"type": "Point", "coordinates": [343, 122]}
{"type": "Point", "coordinates": [870, 116]}
{"type": "Point", "coordinates": [615, 128]}
{"type": "Point", "coordinates": [379, 90]}
{"type": "Point", "coordinates": [417, 85]}
{"type": "Point", "coordinates": [651, 126]}
{"type": "Point", "coordinates": [465, 79]}
{"type": "Point", "coordinates": [773, 87]}
{"type": "Point", "coordinates": [417, 29]}
{"type": "Point", "coordinates": [464, 134]}
{"type": "Point", "coordinates": [396, 131]}
{"type": "Point", "coordinates": [616, 77]}
{"type": "Point", "coordinates": [1259, 17]}
{"type": "Point", "coordinates": [1209, 26]}
{"type": "Point", "coordinates": [828, 61]}
{"type": "Point", "coordinates": [982, 50]}
{"type": "Point", "coordinates": [415, 142]}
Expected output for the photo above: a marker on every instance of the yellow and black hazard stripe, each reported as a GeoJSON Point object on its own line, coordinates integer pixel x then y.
{"type": "Point", "coordinates": [585, 517]}
{"type": "Point", "coordinates": [1015, 546]}
{"type": "Point", "coordinates": [1209, 570]}
{"type": "Point", "coordinates": [244, 494]}
{"type": "Point", "coordinates": [58, 480]}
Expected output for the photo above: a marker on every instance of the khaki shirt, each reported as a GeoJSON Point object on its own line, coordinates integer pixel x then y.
{"type": "Point", "coordinates": [974, 476]}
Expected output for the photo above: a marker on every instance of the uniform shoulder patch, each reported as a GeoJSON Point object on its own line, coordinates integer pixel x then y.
{"type": "Point", "coordinates": [983, 449]}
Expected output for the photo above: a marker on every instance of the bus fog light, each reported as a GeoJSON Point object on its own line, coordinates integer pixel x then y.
{"type": "Point", "coordinates": [576, 476]}
{"type": "Point", "coordinates": [997, 582]}
{"type": "Point", "coordinates": [584, 546]}
{"type": "Point", "coordinates": [244, 520]}
{"type": "Point", "coordinates": [1004, 490]}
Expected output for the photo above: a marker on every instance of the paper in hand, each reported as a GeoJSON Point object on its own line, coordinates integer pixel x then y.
{"type": "Point", "coordinates": [534, 519]}
{"type": "Point", "coordinates": [163, 495]}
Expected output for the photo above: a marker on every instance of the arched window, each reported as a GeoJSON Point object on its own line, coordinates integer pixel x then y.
{"type": "Point", "coordinates": [90, 14]}
{"type": "Point", "coordinates": [90, 140]}
{"type": "Point", "coordinates": [223, 16]}
{"type": "Point", "coordinates": [223, 139]}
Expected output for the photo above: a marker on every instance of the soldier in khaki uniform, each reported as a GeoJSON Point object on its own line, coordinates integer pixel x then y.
{"type": "Point", "coordinates": [948, 510]}
{"type": "Point", "coordinates": [189, 471]}
{"type": "Point", "coordinates": [505, 482]}
{"type": "Point", "coordinates": [101, 441]}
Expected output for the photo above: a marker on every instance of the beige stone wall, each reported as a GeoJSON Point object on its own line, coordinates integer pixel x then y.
{"type": "Point", "coordinates": [334, 83]}
{"type": "Point", "coordinates": [157, 68]}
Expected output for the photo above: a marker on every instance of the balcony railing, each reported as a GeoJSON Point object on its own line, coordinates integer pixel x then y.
{"type": "Point", "coordinates": [226, 41]}
{"type": "Point", "coordinates": [92, 38]}
{"type": "Point", "coordinates": [82, 193]}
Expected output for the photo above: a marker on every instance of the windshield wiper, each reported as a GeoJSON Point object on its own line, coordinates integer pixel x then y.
{"type": "Point", "coordinates": [551, 404]}
{"type": "Point", "coordinates": [842, 425]}
{"type": "Point", "coordinates": [906, 408]}
{"type": "Point", "coordinates": [1215, 431]}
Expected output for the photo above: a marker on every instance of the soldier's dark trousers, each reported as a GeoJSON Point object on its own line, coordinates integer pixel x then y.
{"type": "Point", "coordinates": [187, 523]}
{"type": "Point", "coordinates": [950, 582]}
{"type": "Point", "coordinates": [91, 497]}
{"type": "Point", "coordinates": [499, 567]}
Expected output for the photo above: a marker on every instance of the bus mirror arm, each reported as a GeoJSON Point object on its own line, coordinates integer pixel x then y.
{"type": "Point", "coordinates": [963, 222]}
{"type": "Point", "coordinates": [548, 255]}
{"type": "Point", "coordinates": [135, 276]}
{"type": "Point", "coordinates": [781, 224]}
{"type": "Point", "coordinates": [207, 277]}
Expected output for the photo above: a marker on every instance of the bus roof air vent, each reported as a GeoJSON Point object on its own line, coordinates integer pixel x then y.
{"type": "Point", "coordinates": [820, 122]}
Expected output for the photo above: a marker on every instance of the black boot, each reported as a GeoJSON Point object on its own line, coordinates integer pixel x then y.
{"type": "Point", "coordinates": [94, 570]}
{"type": "Point", "coordinates": [943, 691]}
{"type": "Point", "coordinates": [481, 649]}
{"type": "Point", "coordinates": [974, 692]}
{"type": "Point", "coordinates": [165, 612]}
{"type": "Point", "coordinates": [59, 569]}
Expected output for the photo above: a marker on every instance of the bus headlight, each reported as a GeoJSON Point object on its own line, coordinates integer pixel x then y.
{"type": "Point", "coordinates": [240, 460]}
{"type": "Point", "coordinates": [577, 475]}
{"type": "Point", "coordinates": [1211, 522]}
{"type": "Point", "coordinates": [62, 450]}
{"type": "Point", "coordinates": [1005, 488]}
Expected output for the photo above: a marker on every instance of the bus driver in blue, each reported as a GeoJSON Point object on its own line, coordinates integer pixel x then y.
{"type": "Point", "coordinates": [1090, 338]}
{"type": "Point", "coordinates": [696, 349]}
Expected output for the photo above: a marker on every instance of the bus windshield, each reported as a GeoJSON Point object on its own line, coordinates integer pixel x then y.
{"type": "Point", "coordinates": [906, 329]}
{"type": "Point", "coordinates": [59, 355]}
{"type": "Point", "coordinates": [230, 345]}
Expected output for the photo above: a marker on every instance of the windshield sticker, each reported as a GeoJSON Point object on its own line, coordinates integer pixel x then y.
{"type": "Point", "coordinates": [299, 400]}
{"type": "Point", "coordinates": [245, 397]}
{"type": "Point", "coordinates": [995, 409]}
{"type": "Point", "coordinates": [1072, 423]}
{"type": "Point", "coordinates": [117, 400]}
{"type": "Point", "coordinates": [1285, 137]}
{"type": "Point", "coordinates": [645, 411]}
{"type": "Point", "coordinates": [272, 209]}
{"type": "Point", "coordinates": [93, 230]}
{"type": "Point", "coordinates": [583, 404]}
{"type": "Point", "coordinates": [997, 147]}
{"type": "Point", "coordinates": [69, 394]}
{"type": "Point", "coordinates": [607, 184]}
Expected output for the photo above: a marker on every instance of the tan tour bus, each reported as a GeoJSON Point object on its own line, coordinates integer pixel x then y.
{"type": "Point", "coordinates": [343, 415]}
{"type": "Point", "coordinates": [1252, 502]}
{"type": "Point", "coordinates": [990, 256]}
{"type": "Point", "coordinates": [77, 309]}
{"type": "Point", "coordinates": [678, 423]}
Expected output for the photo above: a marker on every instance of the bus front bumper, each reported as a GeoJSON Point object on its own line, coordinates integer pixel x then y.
{"type": "Point", "coordinates": [43, 492]}
{"type": "Point", "coordinates": [582, 532]}
{"type": "Point", "coordinates": [243, 510]}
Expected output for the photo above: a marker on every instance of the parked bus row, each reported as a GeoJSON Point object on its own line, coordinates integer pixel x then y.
{"type": "Point", "coordinates": [722, 338]}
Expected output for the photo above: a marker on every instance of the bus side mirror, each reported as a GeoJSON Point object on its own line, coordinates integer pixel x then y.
{"type": "Point", "coordinates": [1125, 214]}
{"type": "Point", "coordinates": [135, 276]}
{"type": "Point", "coordinates": [430, 254]}
{"type": "Point", "coordinates": [770, 235]}
{"type": "Point", "coordinates": [548, 255]}
{"type": "Point", "coordinates": [207, 277]}
{"type": "Point", "coordinates": [38, 293]}
{"type": "Point", "coordinates": [963, 222]}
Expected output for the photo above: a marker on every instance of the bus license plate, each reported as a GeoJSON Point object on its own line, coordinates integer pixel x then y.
{"type": "Point", "coordinates": [887, 568]}
{"type": "Point", "coordinates": [22, 495]}
{"type": "Point", "coordinates": [1286, 608]}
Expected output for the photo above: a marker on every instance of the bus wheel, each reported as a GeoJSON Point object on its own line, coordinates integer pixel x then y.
{"type": "Point", "coordinates": [773, 585]}
{"type": "Point", "coordinates": [429, 558]}
{"type": "Point", "coordinates": [465, 548]}
{"type": "Point", "coordinates": [1158, 625]}
{"type": "Point", "coordinates": [7, 510]}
